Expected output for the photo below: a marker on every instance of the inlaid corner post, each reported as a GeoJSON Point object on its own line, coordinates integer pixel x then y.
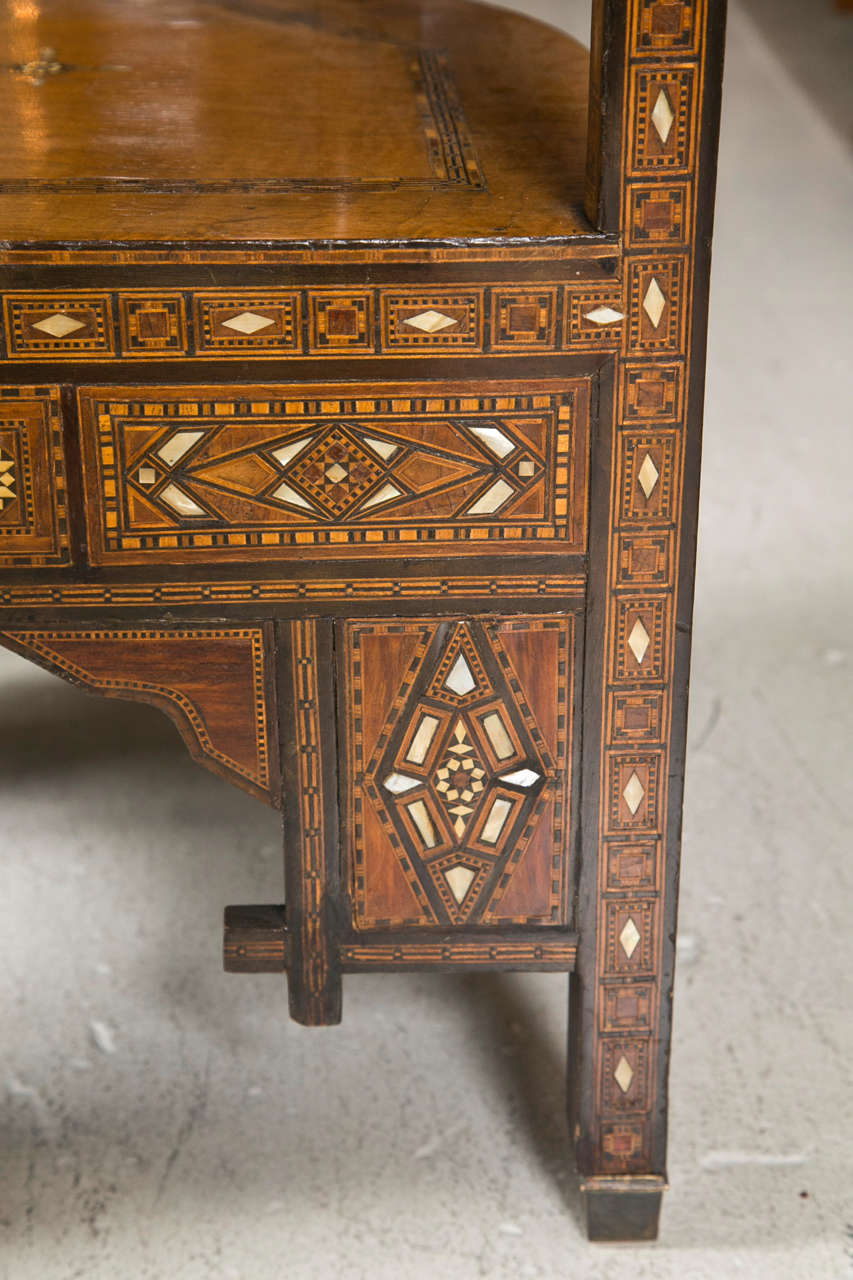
{"type": "Point", "coordinates": [306, 700]}
{"type": "Point", "coordinates": [659, 119]}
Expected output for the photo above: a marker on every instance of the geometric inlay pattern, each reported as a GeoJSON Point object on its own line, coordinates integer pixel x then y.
{"type": "Point", "coordinates": [7, 479]}
{"type": "Point", "coordinates": [33, 496]}
{"type": "Point", "coordinates": [213, 477]}
{"type": "Point", "coordinates": [458, 783]}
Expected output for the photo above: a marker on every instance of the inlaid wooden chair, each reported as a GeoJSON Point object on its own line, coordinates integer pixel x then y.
{"type": "Point", "coordinates": [351, 414]}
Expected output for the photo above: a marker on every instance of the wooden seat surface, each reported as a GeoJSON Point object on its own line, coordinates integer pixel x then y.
{"type": "Point", "coordinates": [288, 120]}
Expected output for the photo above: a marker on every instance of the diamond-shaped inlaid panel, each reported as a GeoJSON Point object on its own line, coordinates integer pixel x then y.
{"type": "Point", "coordinates": [633, 790]}
{"type": "Point", "coordinates": [594, 318]}
{"type": "Point", "coordinates": [261, 321]}
{"type": "Point", "coordinates": [624, 1077]}
{"type": "Point", "coordinates": [459, 743]}
{"type": "Point", "coordinates": [33, 497]}
{"type": "Point", "coordinates": [656, 288]}
{"type": "Point", "coordinates": [70, 326]}
{"type": "Point", "coordinates": [433, 320]}
{"type": "Point", "coordinates": [640, 639]}
{"type": "Point", "coordinates": [663, 107]}
{"type": "Point", "coordinates": [648, 467]}
{"type": "Point", "coordinates": [196, 473]}
{"type": "Point", "coordinates": [629, 935]}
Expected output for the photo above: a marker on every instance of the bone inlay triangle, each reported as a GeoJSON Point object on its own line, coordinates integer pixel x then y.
{"type": "Point", "coordinates": [177, 445]}
{"type": "Point", "coordinates": [662, 116]}
{"type": "Point", "coordinates": [460, 879]}
{"type": "Point", "coordinates": [248, 322]}
{"type": "Point", "coordinates": [58, 326]}
{"type": "Point", "coordinates": [430, 321]}
{"type": "Point", "coordinates": [460, 679]}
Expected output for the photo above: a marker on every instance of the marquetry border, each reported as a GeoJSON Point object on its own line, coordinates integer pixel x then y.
{"type": "Point", "coordinates": [631, 956]}
{"type": "Point", "coordinates": [324, 322]}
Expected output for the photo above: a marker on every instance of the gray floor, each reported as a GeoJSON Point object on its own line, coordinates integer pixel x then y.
{"type": "Point", "coordinates": [163, 1120]}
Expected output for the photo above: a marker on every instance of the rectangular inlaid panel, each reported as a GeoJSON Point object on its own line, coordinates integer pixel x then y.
{"type": "Point", "coordinates": [245, 322]}
{"type": "Point", "coordinates": [459, 748]}
{"type": "Point", "coordinates": [74, 326]}
{"type": "Point", "coordinates": [217, 473]}
{"type": "Point", "coordinates": [33, 498]}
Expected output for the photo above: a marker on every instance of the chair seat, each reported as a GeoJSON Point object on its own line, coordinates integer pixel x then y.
{"type": "Point", "coordinates": [291, 120]}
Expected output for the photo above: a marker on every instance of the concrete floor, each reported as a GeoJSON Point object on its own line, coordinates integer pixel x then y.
{"type": "Point", "coordinates": [163, 1120]}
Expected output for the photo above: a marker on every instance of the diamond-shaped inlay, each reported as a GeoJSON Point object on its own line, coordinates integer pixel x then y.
{"type": "Point", "coordinates": [648, 476]}
{"type": "Point", "coordinates": [336, 471]}
{"type": "Point", "coordinates": [460, 880]}
{"type": "Point", "coordinates": [654, 302]}
{"type": "Point", "coordinates": [633, 793]}
{"type": "Point", "coordinates": [623, 1074]}
{"type": "Point", "coordinates": [639, 641]}
{"type": "Point", "coordinates": [662, 116]}
{"type": "Point", "coordinates": [459, 679]}
{"type": "Point", "coordinates": [146, 476]}
{"type": "Point", "coordinates": [604, 315]}
{"type": "Point", "coordinates": [454, 792]}
{"type": "Point", "coordinates": [248, 322]}
{"type": "Point", "coordinates": [629, 938]}
{"type": "Point", "coordinates": [59, 325]}
{"type": "Point", "coordinates": [430, 321]}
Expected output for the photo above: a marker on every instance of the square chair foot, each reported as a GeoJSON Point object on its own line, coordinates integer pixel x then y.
{"type": "Point", "coordinates": [623, 1209]}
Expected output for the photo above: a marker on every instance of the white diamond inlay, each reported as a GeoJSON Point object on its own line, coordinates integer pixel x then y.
{"type": "Point", "coordinates": [285, 493]}
{"type": "Point", "coordinates": [604, 315]}
{"type": "Point", "coordinates": [648, 476]}
{"type": "Point", "coordinates": [460, 880]}
{"type": "Point", "coordinates": [177, 445]}
{"type": "Point", "coordinates": [662, 116]}
{"type": "Point", "coordinates": [492, 499]}
{"type": "Point", "coordinates": [430, 321]}
{"type": "Point", "coordinates": [629, 937]}
{"type": "Point", "coordinates": [59, 326]}
{"type": "Point", "coordinates": [248, 322]}
{"type": "Point", "coordinates": [385, 494]}
{"type": "Point", "coordinates": [460, 680]}
{"type": "Point", "coordinates": [494, 440]}
{"type": "Point", "coordinates": [336, 473]}
{"type": "Point", "coordinates": [423, 822]}
{"type": "Point", "coordinates": [397, 783]}
{"type": "Point", "coordinates": [422, 741]}
{"type": "Point", "coordinates": [384, 448]}
{"type": "Point", "coordinates": [633, 793]}
{"type": "Point", "coordinates": [639, 641]}
{"type": "Point", "coordinates": [654, 302]}
{"type": "Point", "coordinates": [496, 820]}
{"type": "Point", "coordinates": [521, 778]}
{"type": "Point", "coordinates": [623, 1074]}
{"type": "Point", "coordinates": [287, 452]}
{"type": "Point", "coordinates": [498, 736]}
{"type": "Point", "coordinates": [180, 501]}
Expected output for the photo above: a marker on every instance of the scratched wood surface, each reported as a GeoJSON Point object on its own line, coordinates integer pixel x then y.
{"type": "Point", "coordinates": [395, 123]}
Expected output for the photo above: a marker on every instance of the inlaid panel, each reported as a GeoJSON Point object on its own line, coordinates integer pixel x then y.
{"type": "Point", "coordinates": [33, 497]}
{"type": "Point", "coordinates": [459, 740]}
{"type": "Point", "coordinates": [75, 326]}
{"type": "Point", "coordinates": [199, 473]}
